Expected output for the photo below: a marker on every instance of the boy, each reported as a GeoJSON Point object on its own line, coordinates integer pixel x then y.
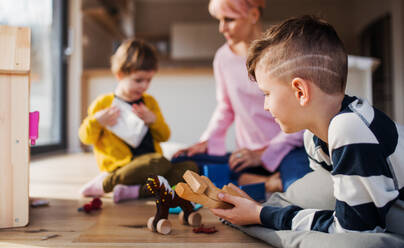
{"type": "Point", "coordinates": [125, 164]}
{"type": "Point", "coordinates": [301, 66]}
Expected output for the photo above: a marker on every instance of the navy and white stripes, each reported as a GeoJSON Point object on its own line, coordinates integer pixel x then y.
{"type": "Point", "coordinates": [365, 156]}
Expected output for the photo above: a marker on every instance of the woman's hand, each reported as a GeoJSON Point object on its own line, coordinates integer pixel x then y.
{"type": "Point", "coordinates": [108, 116]}
{"type": "Point", "coordinates": [244, 158]}
{"type": "Point", "coordinates": [144, 113]}
{"type": "Point", "coordinates": [198, 148]}
{"type": "Point", "coordinates": [244, 212]}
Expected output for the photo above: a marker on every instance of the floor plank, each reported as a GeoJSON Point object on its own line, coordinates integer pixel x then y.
{"type": "Point", "coordinates": [58, 179]}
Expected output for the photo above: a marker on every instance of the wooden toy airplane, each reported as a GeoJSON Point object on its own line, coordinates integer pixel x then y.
{"type": "Point", "coordinates": [201, 190]}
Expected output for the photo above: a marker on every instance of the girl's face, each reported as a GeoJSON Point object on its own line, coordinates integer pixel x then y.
{"type": "Point", "coordinates": [133, 86]}
{"type": "Point", "coordinates": [235, 30]}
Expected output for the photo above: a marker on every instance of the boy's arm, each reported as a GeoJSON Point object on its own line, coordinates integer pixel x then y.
{"type": "Point", "coordinates": [222, 117]}
{"type": "Point", "coordinates": [363, 184]}
{"type": "Point", "coordinates": [361, 205]}
{"type": "Point", "coordinates": [159, 129]}
{"type": "Point", "coordinates": [246, 212]}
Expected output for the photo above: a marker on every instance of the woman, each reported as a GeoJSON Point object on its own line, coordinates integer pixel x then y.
{"type": "Point", "coordinates": [265, 153]}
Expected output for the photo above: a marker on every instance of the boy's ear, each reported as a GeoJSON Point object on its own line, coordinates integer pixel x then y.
{"type": "Point", "coordinates": [301, 89]}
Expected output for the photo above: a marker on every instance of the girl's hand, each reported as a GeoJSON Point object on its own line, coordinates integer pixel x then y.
{"type": "Point", "coordinates": [198, 148]}
{"type": "Point", "coordinates": [108, 116]}
{"type": "Point", "coordinates": [244, 212]}
{"type": "Point", "coordinates": [244, 158]}
{"type": "Point", "coordinates": [144, 113]}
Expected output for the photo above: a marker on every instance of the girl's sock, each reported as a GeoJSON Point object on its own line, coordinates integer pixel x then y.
{"type": "Point", "coordinates": [125, 192]}
{"type": "Point", "coordinates": [94, 187]}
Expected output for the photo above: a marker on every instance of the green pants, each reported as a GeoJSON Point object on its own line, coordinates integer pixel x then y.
{"type": "Point", "coordinates": [137, 171]}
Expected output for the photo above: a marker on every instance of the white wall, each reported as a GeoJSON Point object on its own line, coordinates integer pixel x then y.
{"type": "Point", "coordinates": [187, 101]}
{"type": "Point", "coordinates": [359, 81]}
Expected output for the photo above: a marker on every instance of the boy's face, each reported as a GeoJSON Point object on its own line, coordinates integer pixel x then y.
{"type": "Point", "coordinates": [135, 84]}
{"type": "Point", "coordinates": [280, 100]}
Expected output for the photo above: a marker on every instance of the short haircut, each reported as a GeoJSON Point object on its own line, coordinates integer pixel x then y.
{"type": "Point", "coordinates": [134, 55]}
{"type": "Point", "coordinates": [305, 47]}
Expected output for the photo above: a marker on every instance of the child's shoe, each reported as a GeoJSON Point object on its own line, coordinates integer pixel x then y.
{"type": "Point", "coordinates": [94, 187]}
{"type": "Point", "coordinates": [125, 192]}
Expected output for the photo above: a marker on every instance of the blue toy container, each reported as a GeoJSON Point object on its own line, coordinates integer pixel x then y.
{"type": "Point", "coordinates": [255, 191]}
{"type": "Point", "coordinates": [219, 174]}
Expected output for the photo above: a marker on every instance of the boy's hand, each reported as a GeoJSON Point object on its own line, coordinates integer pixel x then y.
{"type": "Point", "coordinates": [198, 148]}
{"type": "Point", "coordinates": [108, 116]}
{"type": "Point", "coordinates": [244, 158]}
{"type": "Point", "coordinates": [239, 191]}
{"type": "Point", "coordinates": [144, 113]}
{"type": "Point", "coordinates": [245, 211]}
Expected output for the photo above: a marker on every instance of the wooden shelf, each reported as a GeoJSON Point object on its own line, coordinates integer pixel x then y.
{"type": "Point", "coordinates": [106, 21]}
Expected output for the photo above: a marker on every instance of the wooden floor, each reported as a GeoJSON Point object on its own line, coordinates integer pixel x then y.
{"type": "Point", "coordinates": [58, 179]}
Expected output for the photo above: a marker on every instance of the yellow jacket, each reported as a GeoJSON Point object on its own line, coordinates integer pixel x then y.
{"type": "Point", "coordinates": [110, 151]}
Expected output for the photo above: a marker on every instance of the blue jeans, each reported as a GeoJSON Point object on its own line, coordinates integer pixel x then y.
{"type": "Point", "coordinates": [203, 159]}
{"type": "Point", "coordinates": [293, 166]}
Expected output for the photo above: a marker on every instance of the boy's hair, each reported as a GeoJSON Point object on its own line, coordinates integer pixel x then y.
{"type": "Point", "coordinates": [305, 47]}
{"type": "Point", "coordinates": [134, 55]}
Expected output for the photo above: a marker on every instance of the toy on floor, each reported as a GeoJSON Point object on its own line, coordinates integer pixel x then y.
{"type": "Point", "coordinates": [201, 190]}
{"type": "Point", "coordinates": [203, 229]}
{"type": "Point", "coordinates": [166, 199]}
{"type": "Point", "coordinates": [95, 204]}
{"type": "Point", "coordinates": [39, 203]}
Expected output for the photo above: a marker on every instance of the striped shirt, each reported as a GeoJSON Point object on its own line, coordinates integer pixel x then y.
{"type": "Point", "coordinates": [365, 156]}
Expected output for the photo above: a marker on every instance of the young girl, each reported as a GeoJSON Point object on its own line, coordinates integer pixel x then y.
{"type": "Point", "coordinates": [125, 168]}
{"type": "Point", "coordinates": [265, 154]}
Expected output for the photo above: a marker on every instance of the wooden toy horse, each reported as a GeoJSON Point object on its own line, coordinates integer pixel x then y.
{"type": "Point", "coordinates": [166, 199]}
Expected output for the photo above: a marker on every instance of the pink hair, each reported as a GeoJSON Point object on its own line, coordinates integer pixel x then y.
{"type": "Point", "coordinates": [233, 8]}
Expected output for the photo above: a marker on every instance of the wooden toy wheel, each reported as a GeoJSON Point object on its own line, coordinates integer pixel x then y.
{"type": "Point", "coordinates": [181, 218]}
{"type": "Point", "coordinates": [164, 226]}
{"type": "Point", "coordinates": [194, 219]}
{"type": "Point", "coordinates": [150, 224]}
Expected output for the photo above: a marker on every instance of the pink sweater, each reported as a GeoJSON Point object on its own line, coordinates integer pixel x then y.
{"type": "Point", "coordinates": [240, 100]}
